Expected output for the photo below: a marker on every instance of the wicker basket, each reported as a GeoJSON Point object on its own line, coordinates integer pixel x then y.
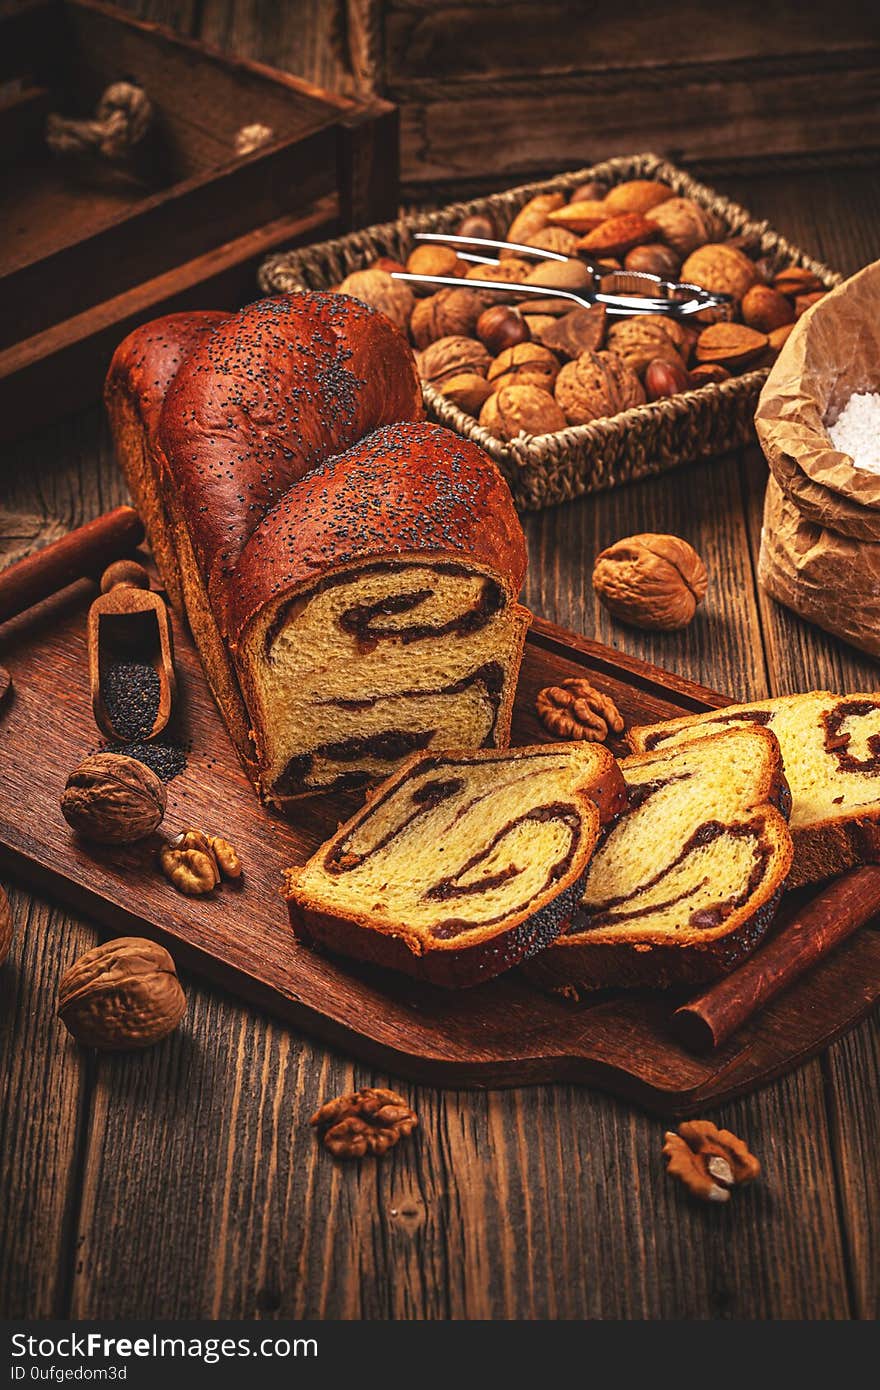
{"type": "Point", "coordinates": [546, 469]}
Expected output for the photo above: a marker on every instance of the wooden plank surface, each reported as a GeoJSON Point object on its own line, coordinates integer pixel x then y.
{"type": "Point", "coordinates": [189, 1182]}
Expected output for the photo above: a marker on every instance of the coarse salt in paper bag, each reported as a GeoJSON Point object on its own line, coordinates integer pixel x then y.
{"type": "Point", "coordinates": [820, 543]}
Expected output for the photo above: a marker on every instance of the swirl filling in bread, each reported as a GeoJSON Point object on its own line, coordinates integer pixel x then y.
{"type": "Point", "coordinates": [460, 866]}
{"type": "Point", "coordinates": [831, 751]}
{"type": "Point", "coordinates": [686, 882]}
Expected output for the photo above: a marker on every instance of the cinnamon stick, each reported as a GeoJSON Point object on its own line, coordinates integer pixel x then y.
{"type": "Point", "coordinates": [814, 931]}
{"type": "Point", "coordinates": [83, 552]}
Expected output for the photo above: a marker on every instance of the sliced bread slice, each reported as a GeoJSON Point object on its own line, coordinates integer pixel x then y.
{"type": "Point", "coordinates": [460, 865]}
{"type": "Point", "coordinates": [831, 752]}
{"type": "Point", "coordinates": [685, 884]}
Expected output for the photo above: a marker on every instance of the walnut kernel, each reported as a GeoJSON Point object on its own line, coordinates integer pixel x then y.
{"type": "Point", "coordinates": [369, 1121]}
{"type": "Point", "coordinates": [576, 709]}
{"type": "Point", "coordinates": [709, 1161]}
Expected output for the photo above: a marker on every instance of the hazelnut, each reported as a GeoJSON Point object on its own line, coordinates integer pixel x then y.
{"type": "Point", "coordinates": [479, 224]}
{"type": "Point", "coordinates": [651, 581]}
{"type": "Point", "coordinates": [596, 385]}
{"type": "Point", "coordinates": [450, 357]}
{"type": "Point", "coordinates": [521, 409]}
{"type": "Point", "coordinates": [122, 995]}
{"type": "Point", "coordinates": [449, 313]}
{"type": "Point", "coordinates": [393, 298]}
{"type": "Point", "coordinates": [502, 327]}
{"type": "Point", "coordinates": [468, 391]}
{"type": "Point", "coordinates": [524, 364]}
{"type": "Point", "coordinates": [664, 378]}
{"type": "Point", "coordinates": [638, 342]}
{"type": "Point", "coordinates": [113, 799]}
{"type": "Point", "coordinates": [764, 308]}
{"type": "Point", "coordinates": [636, 195]}
{"type": "Point", "coordinates": [656, 259]}
{"type": "Point", "coordinates": [6, 925]}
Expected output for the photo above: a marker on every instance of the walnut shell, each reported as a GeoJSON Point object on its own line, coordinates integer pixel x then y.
{"type": "Point", "coordinates": [450, 357]}
{"type": "Point", "coordinates": [113, 799]}
{"type": "Point", "coordinates": [521, 410]}
{"type": "Point", "coordinates": [638, 342]}
{"type": "Point", "coordinates": [449, 313]}
{"type": "Point", "coordinates": [721, 270]}
{"type": "Point", "coordinates": [636, 195]}
{"type": "Point", "coordinates": [596, 385]}
{"type": "Point", "coordinates": [122, 995]}
{"type": "Point", "coordinates": [531, 218]}
{"type": "Point", "coordinates": [580, 331]}
{"type": "Point", "coordinates": [468, 391]}
{"type": "Point", "coordinates": [524, 364]}
{"type": "Point", "coordinates": [685, 225]}
{"type": "Point", "coordinates": [6, 925]}
{"type": "Point", "coordinates": [393, 298]}
{"type": "Point", "coordinates": [651, 581]}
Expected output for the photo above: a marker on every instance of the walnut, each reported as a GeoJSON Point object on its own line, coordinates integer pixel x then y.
{"type": "Point", "coordinates": [449, 313]}
{"type": "Point", "coordinates": [576, 709]}
{"type": "Point", "coordinates": [685, 225]}
{"type": "Point", "coordinates": [113, 799]}
{"type": "Point", "coordinates": [596, 385]}
{"type": "Point", "coordinates": [226, 857]}
{"type": "Point", "coordinates": [637, 342]}
{"type": "Point", "coordinates": [521, 409]}
{"type": "Point", "coordinates": [393, 298]}
{"type": "Point", "coordinates": [651, 581]}
{"type": "Point", "coordinates": [369, 1121]}
{"type": "Point", "coordinates": [188, 861]}
{"type": "Point", "coordinates": [468, 391]}
{"type": "Point", "coordinates": [524, 364]}
{"type": "Point", "coordinates": [123, 994]}
{"type": "Point", "coordinates": [709, 1161]}
{"type": "Point", "coordinates": [637, 195]}
{"type": "Point", "coordinates": [450, 357]}
{"type": "Point", "coordinates": [509, 271]}
{"type": "Point", "coordinates": [532, 217]}
{"type": "Point", "coordinates": [721, 270]}
{"type": "Point", "coordinates": [6, 925]}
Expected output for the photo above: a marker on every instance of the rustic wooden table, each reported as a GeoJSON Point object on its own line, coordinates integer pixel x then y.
{"type": "Point", "coordinates": [186, 1182]}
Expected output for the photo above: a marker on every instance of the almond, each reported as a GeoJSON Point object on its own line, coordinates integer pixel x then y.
{"type": "Point", "coordinates": [636, 195]}
{"type": "Point", "coordinates": [779, 336]}
{"type": "Point", "coordinates": [803, 302]}
{"type": "Point", "coordinates": [579, 217]}
{"type": "Point", "coordinates": [764, 308]}
{"type": "Point", "coordinates": [617, 235]}
{"type": "Point", "coordinates": [730, 345]}
{"type": "Point", "coordinates": [709, 374]}
{"type": "Point", "coordinates": [796, 279]}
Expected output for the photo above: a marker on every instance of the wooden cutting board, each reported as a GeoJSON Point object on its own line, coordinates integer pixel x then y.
{"type": "Point", "coordinates": [502, 1033]}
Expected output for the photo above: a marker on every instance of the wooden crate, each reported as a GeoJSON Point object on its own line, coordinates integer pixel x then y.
{"type": "Point", "coordinates": [83, 259]}
{"type": "Point", "coordinates": [493, 91]}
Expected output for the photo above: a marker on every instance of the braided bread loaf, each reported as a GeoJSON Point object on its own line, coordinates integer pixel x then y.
{"type": "Point", "coordinates": [350, 573]}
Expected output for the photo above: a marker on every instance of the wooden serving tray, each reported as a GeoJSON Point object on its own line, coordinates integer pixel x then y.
{"type": "Point", "coordinates": [501, 1033]}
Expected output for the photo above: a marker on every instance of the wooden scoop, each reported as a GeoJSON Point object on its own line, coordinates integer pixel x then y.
{"type": "Point", "coordinates": [129, 623]}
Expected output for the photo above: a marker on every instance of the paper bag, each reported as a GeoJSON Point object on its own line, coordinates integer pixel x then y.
{"type": "Point", "coordinates": [820, 546]}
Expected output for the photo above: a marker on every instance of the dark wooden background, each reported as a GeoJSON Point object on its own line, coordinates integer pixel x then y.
{"type": "Point", "coordinates": [186, 1182]}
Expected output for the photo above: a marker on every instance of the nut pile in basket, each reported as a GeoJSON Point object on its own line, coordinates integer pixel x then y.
{"type": "Point", "coordinates": [539, 365]}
